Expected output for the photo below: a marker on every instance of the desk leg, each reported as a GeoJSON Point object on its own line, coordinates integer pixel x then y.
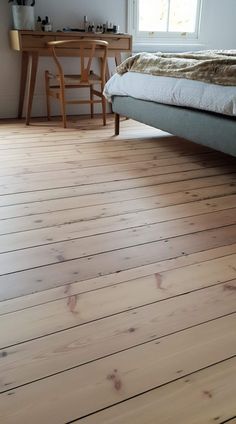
{"type": "Point", "coordinates": [23, 80]}
{"type": "Point", "coordinates": [118, 58]}
{"type": "Point", "coordinates": [32, 80]}
{"type": "Point", "coordinates": [107, 75]}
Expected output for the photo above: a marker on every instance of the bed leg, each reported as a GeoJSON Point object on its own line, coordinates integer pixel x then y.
{"type": "Point", "coordinates": [117, 124]}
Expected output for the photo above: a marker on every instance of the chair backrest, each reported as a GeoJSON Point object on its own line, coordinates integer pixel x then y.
{"type": "Point", "coordinates": [87, 49]}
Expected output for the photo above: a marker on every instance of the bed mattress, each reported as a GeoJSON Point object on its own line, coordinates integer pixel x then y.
{"type": "Point", "coordinates": [172, 91]}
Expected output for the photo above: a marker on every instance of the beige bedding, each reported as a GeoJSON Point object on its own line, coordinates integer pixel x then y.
{"type": "Point", "coordinates": [211, 66]}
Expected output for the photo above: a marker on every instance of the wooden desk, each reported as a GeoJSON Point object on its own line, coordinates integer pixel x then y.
{"type": "Point", "coordinates": [32, 44]}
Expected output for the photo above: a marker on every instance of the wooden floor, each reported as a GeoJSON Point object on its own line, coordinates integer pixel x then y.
{"type": "Point", "coordinates": [117, 277]}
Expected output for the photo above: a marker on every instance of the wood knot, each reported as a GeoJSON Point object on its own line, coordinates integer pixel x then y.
{"type": "Point", "coordinates": [115, 380]}
{"type": "Point", "coordinates": [208, 394]}
{"type": "Point", "coordinates": [229, 287]}
{"type": "Point", "coordinates": [72, 303]}
{"type": "Point", "coordinates": [159, 279]}
{"type": "Point", "coordinates": [67, 289]}
{"type": "Point", "coordinates": [60, 258]}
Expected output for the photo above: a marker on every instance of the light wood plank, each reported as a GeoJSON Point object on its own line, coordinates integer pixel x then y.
{"type": "Point", "coordinates": [74, 210]}
{"type": "Point", "coordinates": [68, 395]}
{"type": "Point", "coordinates": [40, 297]}
{"type": "Point", "coordinates": [118, 276]}
{"type": "Point", "coordinates": [202, 398]}
{"type": "Point", "coordinates": [70, 141]}
{"type": "Point", "coordinates": [68, 144]}
{"type": "Point", "coordinates": [77, 309]}
{"type": "Point", "coordinates": [140, 196]}
{"type": "Point", "coordinates": [45, 277]}
{"type": "Point", "coordinates": [89, 166]}
{"type": "Point", "coordinates": [77, 169]}
{"type": "Point", "coordinates": [106, 156]}
{"type": "Point", "coordinates": [186, 179]}
{"type": "Point", "coordinates": [148, 210]}
{"type": "Point", "coordinates": [74, 231]}
{"type": "Point", "coordinates": [39, 171]}
{"type": "Point", "coordinates": [81, 344]}
{"type": "Point", "coordinates": [59, 252]}
{"type": "Point", "coordinates": [81, 179]}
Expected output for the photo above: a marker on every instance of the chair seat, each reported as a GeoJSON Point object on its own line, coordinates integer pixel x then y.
{"type": "Point", "coordinates": [75, 79]}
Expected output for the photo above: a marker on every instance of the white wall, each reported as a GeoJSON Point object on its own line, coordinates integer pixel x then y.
{"type": "Point", "coordinates": [63, 13]}
{"type": "Point", "coordinates": [9, 67]}
{"type": "Point", "coordinates": [218, 30]}
{"type": "Point", "coordinates": [71, 12]}
{"type": "Point", "coordinates": [218, 24]}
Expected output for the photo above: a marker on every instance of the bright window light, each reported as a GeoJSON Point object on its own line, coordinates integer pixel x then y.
{"type": "Point", "coordinates": [167, 16]}
{"type": "Point", "coordinates": [183, 14]}
{"type": "Point", "coordinates": [153, 15]}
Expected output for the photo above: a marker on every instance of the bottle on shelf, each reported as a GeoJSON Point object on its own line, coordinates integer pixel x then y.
{"type": "Point", "coordinates": [39, 24]}
{"type": "Point", "coordinates": [85, 23]}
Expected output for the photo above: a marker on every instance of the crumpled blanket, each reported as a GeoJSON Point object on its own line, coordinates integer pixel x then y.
{"type": "Point", "coordinates": [212, 66]}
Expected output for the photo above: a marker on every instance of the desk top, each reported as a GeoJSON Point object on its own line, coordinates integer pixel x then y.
{"type": "Point", "coordinates": [36, 40]}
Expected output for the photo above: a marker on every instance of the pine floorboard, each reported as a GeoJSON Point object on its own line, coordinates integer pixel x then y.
{"type": "Point", "coordinates": [117, 276]}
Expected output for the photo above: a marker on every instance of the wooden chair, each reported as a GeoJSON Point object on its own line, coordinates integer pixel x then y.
{"type": "Point", "coordinates": [56, 85]}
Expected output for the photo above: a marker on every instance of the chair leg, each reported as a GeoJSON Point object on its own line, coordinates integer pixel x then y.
{"type": "Point", "coordinates": [63, 103]}
{"type": "Point", "coordinates": [91, 104]}
{"type": "Point", "coordinates": [48, 95]}
{"type": "Point", "coordinates": [104, 110]}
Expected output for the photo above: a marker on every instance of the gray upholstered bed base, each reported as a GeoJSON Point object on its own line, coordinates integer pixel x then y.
{"type": "Point", "coordinates": [209, 129]}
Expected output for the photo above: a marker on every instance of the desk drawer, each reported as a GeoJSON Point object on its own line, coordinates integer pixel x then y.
{"type": "Point", "coordinates": [70, 46]}
{"type": "Point", "coordinates": [35, 41]}
{"type": "Point", "coordinates": [115, 42]}
{"type": "Point", "coordinates": [118, 43]}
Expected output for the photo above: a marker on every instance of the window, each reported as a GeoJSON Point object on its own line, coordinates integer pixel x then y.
{"type": "Point", "coordinates": [150, 20]}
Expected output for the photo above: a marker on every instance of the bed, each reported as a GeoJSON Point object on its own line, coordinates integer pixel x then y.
{"type": "Point", "coordinates": [197, 111]}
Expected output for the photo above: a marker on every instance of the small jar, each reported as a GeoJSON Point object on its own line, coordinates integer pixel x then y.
{"type": "Point", "coordinates": [47, 25]}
